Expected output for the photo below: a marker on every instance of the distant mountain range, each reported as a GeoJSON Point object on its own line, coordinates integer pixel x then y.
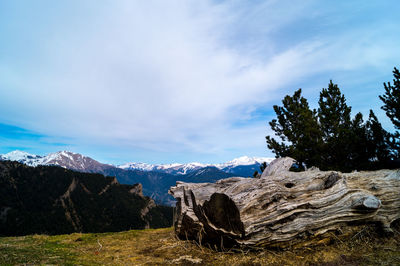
{"type": "Point", "coordinates": [155, 178]}
{"type": "Point", "coordinates": [243, 166]}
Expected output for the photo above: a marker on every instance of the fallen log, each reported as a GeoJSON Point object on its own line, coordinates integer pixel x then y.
{"type": "Point", "coordinates": [284, 207]}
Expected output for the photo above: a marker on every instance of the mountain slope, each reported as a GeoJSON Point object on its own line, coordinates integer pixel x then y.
{"type": "Point", "coordinates": [157, 184]}
{"type": "Point", "coordinates": [53, 200]}
{"type": "Point", "coordinates": [242, 166]}
{"type": "Point", "coordinates": [22, 157]}
{"type": "Point", "coordinates": [156, 179]}
{"type": "Point", "coordinates": [174, 169]}
{"type": "Point", "coordinates": [65, 159]}
{"type": "Point", "coordinates": [206, 174]}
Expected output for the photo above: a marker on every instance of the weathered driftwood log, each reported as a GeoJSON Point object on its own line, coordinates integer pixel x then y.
{"type": "Point", "coordinates": [284, 207]}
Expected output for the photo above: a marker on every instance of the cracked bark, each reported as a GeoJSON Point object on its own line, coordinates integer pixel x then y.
{"type": "Point", "coordinates": [284, 207]}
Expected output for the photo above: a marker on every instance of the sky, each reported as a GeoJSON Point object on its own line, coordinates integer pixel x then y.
{"type": "Point", "coordinates": [181, 81]}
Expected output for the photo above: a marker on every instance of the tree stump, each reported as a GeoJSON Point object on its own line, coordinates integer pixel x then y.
{"type": "Point", "coordinates": [283, 207]}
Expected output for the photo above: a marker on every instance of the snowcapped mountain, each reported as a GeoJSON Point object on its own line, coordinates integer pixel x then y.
{"type": "Point", "coordinates": [74, 161]}
{"type": "Point", "coordinates": [175, 168]}
{"type": "Point", "coordinates": [65, 159]}
{"type": "Point", "coordinates": [155, 178]}
{"type": "Point", "coordinates": [23, 157]}
{"type": "Point", "coordinates": [244, 160]}
{"type": "Point", "coordinates": [242, 164]}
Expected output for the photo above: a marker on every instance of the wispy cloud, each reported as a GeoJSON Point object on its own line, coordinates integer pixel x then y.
{"type": "Point", "coordinates": [183, 78]}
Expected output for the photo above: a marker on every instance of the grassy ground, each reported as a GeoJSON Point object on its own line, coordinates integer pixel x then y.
{"type": "Point", "coordinates": [159, 247]}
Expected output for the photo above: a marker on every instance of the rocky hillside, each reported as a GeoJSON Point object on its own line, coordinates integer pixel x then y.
{"type": "Point", "coordinates": [54, 200]}
{"type": "Point", "coordinates": [156, 180]}
{"type": "Point", "coordinates": [156, 184]}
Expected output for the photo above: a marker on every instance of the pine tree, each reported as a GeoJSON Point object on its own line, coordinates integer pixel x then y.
{"type": "Point", "coordinates": [391, 101]}
{"type": "Point", "coordinates": [335, 123]}
{"type": "Point", "coordinates": [378, 142]}
{"type": "Point", "coordinates": [297, 126]}
{"type": "Point", "coordinates": [359, 153]}
{"type": "Point", "coordinates": [330, 139]}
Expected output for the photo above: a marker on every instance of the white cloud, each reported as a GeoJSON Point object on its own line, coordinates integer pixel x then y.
{"type": "Point", "coordinates": [171, 75]}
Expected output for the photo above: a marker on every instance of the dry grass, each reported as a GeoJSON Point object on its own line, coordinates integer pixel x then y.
{"type": "Point", "coordinates": [159, 247]}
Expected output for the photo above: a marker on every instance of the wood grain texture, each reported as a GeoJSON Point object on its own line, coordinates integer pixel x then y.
{"type": "Point", "coordinates": [284, 207]}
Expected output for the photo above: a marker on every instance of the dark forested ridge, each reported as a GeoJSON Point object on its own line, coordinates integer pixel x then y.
{"type": "Point", "coordinates": [54, 200]}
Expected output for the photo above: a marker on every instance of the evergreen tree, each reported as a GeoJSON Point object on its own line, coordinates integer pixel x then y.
{"type": "Point", "coordinates": [378, 142]}
{"type": "Point", "coordinates": [329, 138]}
{"type": "Point", "coordinates": [359, 153]}
{"type": "Point", "coordinates": [297, 126]}
{"type": "Point", "coordinates": [391, 101]}
{"type": "Point", "coordinates": [335, 123]}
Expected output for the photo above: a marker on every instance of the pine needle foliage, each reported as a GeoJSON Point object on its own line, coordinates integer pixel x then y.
{"type": "Point", "coordinates": [391, 105]}
{"type": "Point", "coordinates": [297, 126]}
{"type": "Point", "coordinates": [329, 138]}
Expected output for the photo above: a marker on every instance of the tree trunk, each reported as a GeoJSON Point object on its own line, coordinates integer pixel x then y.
{"type": "Point", "coordinates": [284, 207]}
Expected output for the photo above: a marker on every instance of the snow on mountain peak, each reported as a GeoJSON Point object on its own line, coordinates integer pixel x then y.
{"type": "Point", "coordinates": [173, 168]}
{"type": "Point", "coordinates": [245, 160]}
{"type": "Point", "coordinates": [178, 168]}
{"type": "Point", "coordinates": [77, 161]}
{"type": "Point", "coordinates": [64, 159]}
{"type": "Point", "coordinates": [138, 166]}
{"type": "Point", "coordinates": [16, 155]}
{"type": "Point", "coordinates": [60, 154]}
{"type": "Point", "coordinates": [22, 157]}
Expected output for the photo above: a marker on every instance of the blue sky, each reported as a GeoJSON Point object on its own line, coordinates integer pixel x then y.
{"type": "Point", "coordinates": [181, 81]}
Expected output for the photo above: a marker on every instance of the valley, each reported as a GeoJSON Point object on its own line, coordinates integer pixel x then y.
{"type": "Point", "coordinates": [156, 179]}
